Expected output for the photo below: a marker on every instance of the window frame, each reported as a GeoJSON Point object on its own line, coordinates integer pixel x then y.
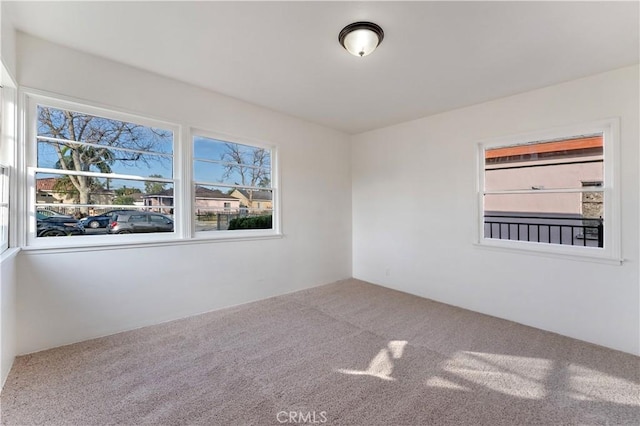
{"type": "Point", "coordinates": [184, 223]}
{"type": "Point", "coordinates": [611, 252]}
{"type": "Point", "coordinates": [30, 99]}
{"type": "Point", "coordinates": [275, 231]}
{"type": "Point", "coordinates": [5, 187]}
{"type": "Point", "coordinates": [8, 159]}
{"type": "Point", "coordinates": [5, 206]}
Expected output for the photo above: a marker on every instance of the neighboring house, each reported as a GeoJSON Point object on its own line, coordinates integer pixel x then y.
{"type": "Point", "coordinates": [46, 192]}
{"type": "Point", "coordinates": [206, 201]}
{"type": "Point", "coordinates": [572, 163]}
{"type": "Point", "coordinates": [138, 199]}
{"type": "Point", "coordinates": [254, 200]}
{"type": "Point", "coordinates": [160, 202]}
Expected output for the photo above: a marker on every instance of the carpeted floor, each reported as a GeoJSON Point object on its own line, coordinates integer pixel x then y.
{"type": "Point", "coordinates": [347, 353]}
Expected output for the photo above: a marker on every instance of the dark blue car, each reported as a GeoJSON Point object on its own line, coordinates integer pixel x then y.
{"type": "Point", "coordinates": [102, 220]}
{"type": "Point", "coordinates": [57, 226]}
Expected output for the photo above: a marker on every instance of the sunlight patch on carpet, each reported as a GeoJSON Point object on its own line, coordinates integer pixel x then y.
{"type": "Point", "coordinates": [381, 366]}
{"type": "Point", "coordinates": [603, 387]}
{"type": "Point", "coordinates": [518, 376]}
{"type": "Point", "coordinates": [439, 382]}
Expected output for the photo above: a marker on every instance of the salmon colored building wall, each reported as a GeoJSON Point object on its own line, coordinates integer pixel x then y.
{"type": "Point", "coordinates": [554, 172]}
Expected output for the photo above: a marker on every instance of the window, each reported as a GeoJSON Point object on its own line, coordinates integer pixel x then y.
{"type": "Point", "coordinates": [85, 163]}
{"type": "Point", "coordinates": [4, 208]}
{"type": "Point", "coordinates": [7, 143]}
{"type": "Point", "coordinates": [552, 191]}
{"type": "Point", "coordinates": [99, 177]}
{"type": "Point", "coordinates": [232, 186]}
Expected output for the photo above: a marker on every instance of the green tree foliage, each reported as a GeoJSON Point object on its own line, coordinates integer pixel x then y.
{"type": "Point", "coordinates": [154, 187]}
{"type": "Point", "coordinates": [124, 195]}
{"type": "Point", "coordinates": [122, 200]}
{"type": "Point", "coordinates": [127, 191]}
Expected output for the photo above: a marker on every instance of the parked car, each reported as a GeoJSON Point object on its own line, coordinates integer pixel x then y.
{"type": "Point", "coordinates": [57, 226]}
{"type": "Point", "coordinates": [51, 213]}
{"type": "Point", "coordinates": [138, 222]}
{"type": "Point", "coordinates": [102, 220]}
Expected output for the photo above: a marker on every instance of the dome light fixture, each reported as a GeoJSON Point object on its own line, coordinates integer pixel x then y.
{"type": "Point", "coordinates": [361, 38]}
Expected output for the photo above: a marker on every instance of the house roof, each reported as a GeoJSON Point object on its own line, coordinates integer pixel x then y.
{"type": "Point", "coordinates": [45, 184]}
{"type": "Point", "coordinates": [547, 147]}
{"type": "Point", "coordinates": [48, 184]}
{"type": "Point", "coordinates": [257, 195]}
{"type": "Point", "coordinates": [201, 192]}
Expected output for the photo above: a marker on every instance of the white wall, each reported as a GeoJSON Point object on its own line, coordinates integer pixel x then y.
{"type": "Point", "coordinates": [420, 240]}
{"type": "Point", "coordinates": [69, 297]}
{"type": "Point", "coordinates": [7, 41]}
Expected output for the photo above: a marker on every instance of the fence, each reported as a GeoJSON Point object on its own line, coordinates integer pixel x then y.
{"type": "Point", "coordinates": [541, 229]}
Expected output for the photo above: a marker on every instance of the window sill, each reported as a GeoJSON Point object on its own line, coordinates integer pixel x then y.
{"type": "Point", "coordinates": [8, 254]}
{"type": "Point", "coordinates": [542, 250]}
{"type": "Point", "coordinates": [145, 244]}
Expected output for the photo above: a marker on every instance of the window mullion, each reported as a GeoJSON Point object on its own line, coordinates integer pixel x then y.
{"type": "Point", "coordinates": [101, 175]}
{"type": "Point", "coordinates": [184, 171]}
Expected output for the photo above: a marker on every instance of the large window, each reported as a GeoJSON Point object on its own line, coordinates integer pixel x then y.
{"type": "Point", "coordinates": [552, 192]}
{"type": "Point", "coordinates": [87, 166]}
{"type": "Point", "coordinates": [232, 186]}
{"type": "Point", "coordinates": [97, 177]}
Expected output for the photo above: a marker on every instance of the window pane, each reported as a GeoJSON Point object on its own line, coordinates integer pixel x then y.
{"type": "Point", "coordinates": [4, 207]}
{"type": "Point", "coordinates": [54, 155]}
{"type": "Point", "coordinates": [68, 189]}
{"type": "Point", "coordinates": [73, 202]}
{"type": "Point", "coordinates": [4, 225]}
{"type": "Point", "coordinates": [230, 174]}
{"type": "Point", "coordinates": [221, 208]}
{"type": "Point", "coordinates": [561, 164]}
{"type": "Point", "coordinates": [76, 126]}
{"type": "Point", "coordinates": [556, 218]}
{"type": "Point", "coordinates": [231, 163]}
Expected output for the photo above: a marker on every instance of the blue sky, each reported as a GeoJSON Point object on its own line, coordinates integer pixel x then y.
{"type": "Point", "coordinates": [153, 164]}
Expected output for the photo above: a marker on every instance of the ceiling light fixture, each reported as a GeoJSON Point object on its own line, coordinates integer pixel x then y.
{"type": "Point", "coordinates": [361, 38]}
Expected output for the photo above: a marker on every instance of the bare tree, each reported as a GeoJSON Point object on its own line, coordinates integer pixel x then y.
{"type": "Point", "coordinates": [104, 136]}
{"type": "Point", "coordinates": [251, 164]}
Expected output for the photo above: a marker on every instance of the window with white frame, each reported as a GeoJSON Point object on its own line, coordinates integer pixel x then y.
{"type": "Point", "coordinates": [4, 208]}
{"type": "Point", "coordinates": [232, 185]}
{"type": "Point", "coordinates": [552, 191]}
{"type": "Point", "coordinates": [87, 165]}
{"type": "Point", "coordinates": [4, 175]}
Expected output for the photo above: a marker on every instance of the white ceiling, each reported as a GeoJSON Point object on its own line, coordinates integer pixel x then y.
{"type": "Point", "coordinates": [436, 56]}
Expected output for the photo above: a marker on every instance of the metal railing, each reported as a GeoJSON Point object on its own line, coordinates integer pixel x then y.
{"type": "Point", "coordinates": [582, 232]}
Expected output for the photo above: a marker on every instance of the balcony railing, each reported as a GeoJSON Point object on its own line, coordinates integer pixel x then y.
{"type": "Point", "coordinates": [573, 231]}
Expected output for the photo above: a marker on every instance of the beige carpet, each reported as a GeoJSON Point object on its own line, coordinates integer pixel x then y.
{"type": "Point", "coordinates": [346, 353]}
